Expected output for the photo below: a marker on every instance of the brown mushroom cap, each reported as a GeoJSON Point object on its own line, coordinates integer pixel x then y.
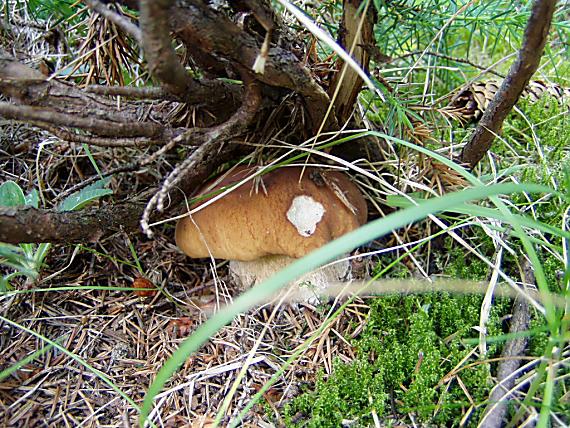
{"type": "Point", "coordinates": [293, 218]}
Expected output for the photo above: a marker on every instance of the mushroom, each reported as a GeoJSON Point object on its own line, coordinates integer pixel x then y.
{"type": "Point", "coordinates": [260, 232]}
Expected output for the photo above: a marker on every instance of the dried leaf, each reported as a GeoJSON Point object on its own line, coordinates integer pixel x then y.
{"type": "Point", "coordinates": [147, 288]}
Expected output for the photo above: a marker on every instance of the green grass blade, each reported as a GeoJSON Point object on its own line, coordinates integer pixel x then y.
{"type": "Point", "coordinates": [68, 288]}
{"type": "Point", "coordinates": [541, 281]}
{"type": "Point", "coordinates": [16, 366]}
{"type": "Point", "coordinates": [92, 160]}
{"type": "Point", "coordinates": [76, 358]}
{"type": "Point", "coordinates": [317, 258]}
{"type": "Point", "coordinates": [480, 211]}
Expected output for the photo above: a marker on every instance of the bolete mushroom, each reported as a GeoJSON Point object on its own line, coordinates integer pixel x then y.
{"type": "Point", "coordinates": [260, 232]}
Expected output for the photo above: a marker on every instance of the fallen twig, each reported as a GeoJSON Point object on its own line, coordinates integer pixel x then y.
{"type": "Point", "coordinates": [204, 157]}
{"type": "Point", "coordinates": [32, 225]}
{"type": "Point", "coordinates": [509, 364]}
{"type": "Point", "coordinates": [98, 126]}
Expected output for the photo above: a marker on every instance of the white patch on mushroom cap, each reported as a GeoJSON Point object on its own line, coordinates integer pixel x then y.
{"type": "Point", "coordinates": [305, 213]}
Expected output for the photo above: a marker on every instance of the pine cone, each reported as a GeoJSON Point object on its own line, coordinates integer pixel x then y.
{"type": "Point", "coordinates": [537, 88]}
{"type": "Point", "coordinates": [471, 101]}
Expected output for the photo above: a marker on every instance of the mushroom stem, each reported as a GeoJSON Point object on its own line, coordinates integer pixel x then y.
{"type": "Point", "coordinates": [308, 288]}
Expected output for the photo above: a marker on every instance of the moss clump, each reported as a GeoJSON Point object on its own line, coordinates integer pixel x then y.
{"type": "Point", "coordinates": [472, 268]}
{"type": "Point", "coordinates": [354, 390]}
{"type": "Point", "coordinates": [545, 150]}
{"type": "Point", "coordinates": [550, 128]}
{"type": "Point", "coordinates": [408, 346]}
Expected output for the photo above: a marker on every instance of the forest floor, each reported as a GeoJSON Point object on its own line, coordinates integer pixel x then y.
{"type": "Point", "coordinates": [79, 345]}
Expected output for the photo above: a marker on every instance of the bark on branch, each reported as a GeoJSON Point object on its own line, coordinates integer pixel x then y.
{"type": "Point", "coordinates": [498, 399]}
{"type": "Point", "coordinates": [217, 44]}
{"type": "Point", "coordinates": [356, 34]}
{"type": "Point", "coordinates": [519, 74]}
{"type": "Point", "coordinates": [205, 157]}
{"type": "Point", "coordinates": [97, 126]}
{"type": "Point", "coordinates": [209, 32]}
{"type": "Point", "coordinates": [72, 137]}
{"type": "Point", "coordinates": [163, 63]}
{"type": "Point", "coordinates": [31, 225]}
{"type": "Point", "coordinates": [28, 86]}
{"type": "Point", "coordinates": [53, 103]}
{"type": "Point", "coordinates": [165, 66]}
{"type": "Point", "coordinates": [146, 92]}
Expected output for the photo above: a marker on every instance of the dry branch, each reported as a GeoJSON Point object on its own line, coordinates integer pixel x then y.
{"type": "Point", "coordinates": [71, 137]}
{"type": "Point", "coordinates": [356, 35]}
{"type": "Point", "coordinates": [100, 127]}
{"type": "Point", "coordinates": [145, 92]}
{"type": "Point", "coordinates": [356, 32]}
{"type": "Point", "coordinates": [31, 225]}
{"type": "Point", "coordinates": [498, 399]}
{"type": "Point", "coordinates": [521, 71]}
{"type": "Point", "coordinates": [207, 155]}
{"type": "Point", "coordinates": [207, 31]}
{"type": "Point", "coordinates": [54, 105]}
{"type": "Point", "coordinates": [163, 63]}
{"type": "Point", "coordinates": [28, 86]}
{"type": "Point", "coordinates": [165, 66]}
{"type": "Point", "coordinates": [216, 44]}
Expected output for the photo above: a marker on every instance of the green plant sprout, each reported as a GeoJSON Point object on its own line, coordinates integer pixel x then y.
{"type": "Point", "coordinates": [28, 259]}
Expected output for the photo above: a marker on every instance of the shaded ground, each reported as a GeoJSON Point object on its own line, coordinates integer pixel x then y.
{"type": "Point", "coordinates": [129, 338]}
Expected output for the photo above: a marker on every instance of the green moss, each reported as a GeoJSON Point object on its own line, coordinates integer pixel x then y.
{"type": "Point", "coordinates": [472, 267]}
{"type": "Point", "coordinates": [539, 340]}
{"type": "Point", "coordinates": [554, 271]}
{"type": "Point", "coordinates": [409, 344]}
{"type": "Point", "coordinates": [355, 389]}
{"type": "Point", "coordinates": [550, 126]}
{"type": "Point", "coordinates": [544, 147]}
{"type": "Point", "coordinates": [385, 263]}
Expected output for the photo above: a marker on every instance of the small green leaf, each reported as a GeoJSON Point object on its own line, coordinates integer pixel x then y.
{"type": "Point", "coordinates": [40, 254]}
{"type": "Point", "coordinates": [84, 196]}
{"type": "Point", "coordinates": [17, 258]}
{"type": "Point", "coordinates": [33, 199]}
{"type": "Point", "coordinates": [92, 159]}
{"type": "Point", "coordinates": [11, 195]}
{"type": "Point", "coordinates": [11, 253]}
